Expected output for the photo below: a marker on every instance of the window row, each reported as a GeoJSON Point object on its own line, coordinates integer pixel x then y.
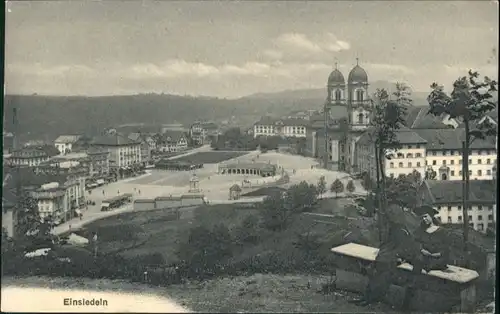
{"type": "Point", "coordinates": [458, 152]}
{"type": "Point", "coordinates": [479, 218]}
{"type": "Point", "coordinates": [489, 161]}
{"type": "Point", "coordinates": [409, 155]}
{"type": "Point", "coordinates": [479, 207]}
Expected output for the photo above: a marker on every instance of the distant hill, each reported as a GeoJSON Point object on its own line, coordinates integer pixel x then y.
{"type": "Point", "coordinates": [319, 94]}
{"type": "Point", "coordinates": [46, 117]}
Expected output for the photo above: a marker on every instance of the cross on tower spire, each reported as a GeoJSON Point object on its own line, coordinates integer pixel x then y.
{"type": "Point", "coordinates": [357, 61]}
{"type": "Point", "coordinates": [336, 66]}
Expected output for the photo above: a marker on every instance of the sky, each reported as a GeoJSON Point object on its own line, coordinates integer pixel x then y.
{"type": "Point", "coordinates": [232, 49]}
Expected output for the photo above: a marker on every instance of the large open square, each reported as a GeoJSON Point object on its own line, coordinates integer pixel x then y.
{"type": "Point", "coordinates": [216, 186]}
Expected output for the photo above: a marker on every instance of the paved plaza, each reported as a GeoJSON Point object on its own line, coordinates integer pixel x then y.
{"type": "Point", "coordinates": [213, 185]}
{"type": "Point", "coordinates": [216, 186]}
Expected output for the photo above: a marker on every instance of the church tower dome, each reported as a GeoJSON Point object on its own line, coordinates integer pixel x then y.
{"type": "Point", "coordinates": [336, 88]}
{"type": "Point", "coordinates": [336, 78]}
{"type": "Point", "coordinates": [357, 75]}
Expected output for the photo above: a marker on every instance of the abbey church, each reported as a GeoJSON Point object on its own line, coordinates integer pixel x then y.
{"type": "Point", "coordinates": [346, 113]}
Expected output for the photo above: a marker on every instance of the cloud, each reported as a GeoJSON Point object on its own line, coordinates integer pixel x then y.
{"type": "Point", "coordinates": [389, 68]}
{"type": "Point", "coordinates": [273, 54]}
{"type": "Point", "coordinates": [320, 44]}
{"type": "Point", "coordinates": [40, 70]}
{"type": "Point", "coordinates": [299, 41]}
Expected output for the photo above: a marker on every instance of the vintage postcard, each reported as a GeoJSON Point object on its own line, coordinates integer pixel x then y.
{"type": "Point", "coordinates": [250, 156]}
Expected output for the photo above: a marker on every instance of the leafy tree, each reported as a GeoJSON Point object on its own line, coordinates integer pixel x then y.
{"type": "Point", "coordinates": [301, 196]}
{"type": "Point", "coordinates": [404, 190]}
{"type": "Point", "coordinates": [469, 103]}
{"type": "Point", "coordinates": [278, 210]}
{"type": "Point", "coordinates": [350, 187]}
{"type": "Point", "coordinates": [337, 187]}
{"type": "Point", "coordinates": [205, 249]}
{"type": "Point", "coordinates": [275, 212]}
{"type": "Point", "coordinates": [321, 187]}
{"type": "Point", "coordinates": [248, 231]}
{"type": "Point", "coordinates": [387, 119]}
{"type": "Point", "coordinates": [367, 182]}
{"type": "Point", "coordinates": [430, 174]}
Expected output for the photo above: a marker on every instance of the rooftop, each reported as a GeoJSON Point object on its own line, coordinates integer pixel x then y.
{"type": "Point", "coordinates": [113, 140]}
{"type": "Point", "coordinates": [442, 139]}
{"type": "Point", "coordinates": [267, 120]}
{"type": "Point", "coordinates": [404, 136]}
{"type": "Point", "coordinates": [419, 118]}
{"type": "Point", "coordinates": [267, 191]}
{"type": "Point", "coordinates": [172, 136]}
{"type": "Point", "coordinates": [67, 139]}
{"type": "Point", "coordinates": [28, 177]}
{"type": "Point", "coordinates": [448, 192]}
{"type": "Point", "coordinates": [72, 156]}
{"type": "Point", "coordinates": [36, 151]}
{"type": "Point", "coordinates": [249, 165]}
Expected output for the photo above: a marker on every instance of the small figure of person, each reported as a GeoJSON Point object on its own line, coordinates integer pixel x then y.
{"type": "Point", "coordinates": [81, 216]}
{"type": "Point", "coordinates": [102, 192]}
{"type": "Point", "coordinates": [434, 252]}
{"type": "Point", "coordinates": [139, 192]}
{"type": "Point", "coordinates": [398, 244]}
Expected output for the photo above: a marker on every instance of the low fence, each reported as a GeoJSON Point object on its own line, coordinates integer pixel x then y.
{"type": "Point", "coordinates": [163, 202]}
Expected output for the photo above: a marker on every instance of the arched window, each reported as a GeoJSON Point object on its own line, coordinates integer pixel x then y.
{"type": "Point", "coordinates": [444, 176]}
{"type": "Point", "coordinates": [409, 155]}
{"type": "Point", "coordinates": [360, 118]}
{"type": "Point", "coordinates": [338, 94]}
{"type": "Point", "coordinates": [359, 95]}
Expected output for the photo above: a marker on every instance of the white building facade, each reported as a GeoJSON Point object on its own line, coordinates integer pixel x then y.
{"type": "Point", "coordinates": [268, 126]}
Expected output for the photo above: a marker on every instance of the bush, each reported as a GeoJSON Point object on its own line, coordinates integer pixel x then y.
{"type": "Point", "coordinates": [248, 232]}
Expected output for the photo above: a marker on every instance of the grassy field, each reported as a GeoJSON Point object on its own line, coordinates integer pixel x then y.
{"type": "Point", "coordinates": [156, 232]}
{"type": "Point", "coordinates": [257, 293]}
{"type": "Point", "coordinates": [210, 157]}
{"type": "Point", "coordinates": [335, 206]}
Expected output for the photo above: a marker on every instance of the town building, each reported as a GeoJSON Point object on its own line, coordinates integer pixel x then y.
{"type": "Point", "coordinates": [64, 143]}
{"type": "Point", "coordinates": [410, 156]}
{"type": "Point", "coordinates": [9, 213]}
{"type": "Point", "coordinates": [289, 127]}
{"type": "Point", "coordinates": [57, 196]}
{"type": "Point", "coordinates": [254, 168]}
{"type": "Point", "coordinates": [345, 115]}
{"type": "Point", "coordinates": [204, 132]}
{"type": "Point", "coordinates": [435, 151]}
{"type": "Point", "coordinates": [151, 140]}
{"type": "Point", "coordinates": [8, 142]}
{"type": "Point", "coordinates": [145, 148]}
{"type": "Point", "coordinates": [446, 198]}
{"type": "Point", "coordinates": [32, 155]}
{"type": "Point", "coordinates": [75, 171]}
{"type": "Point", "coordinates": [99, 162]}
{"type": "Point", "coordinates": [173, 127]}
{"type": "Point", "coordinates": [172, 141]}
{"type": "Point", "coordinates": [124, 153]}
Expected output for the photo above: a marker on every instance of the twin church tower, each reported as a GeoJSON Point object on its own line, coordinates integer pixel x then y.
{"type": "Point", "coordinates": [347, 112]}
